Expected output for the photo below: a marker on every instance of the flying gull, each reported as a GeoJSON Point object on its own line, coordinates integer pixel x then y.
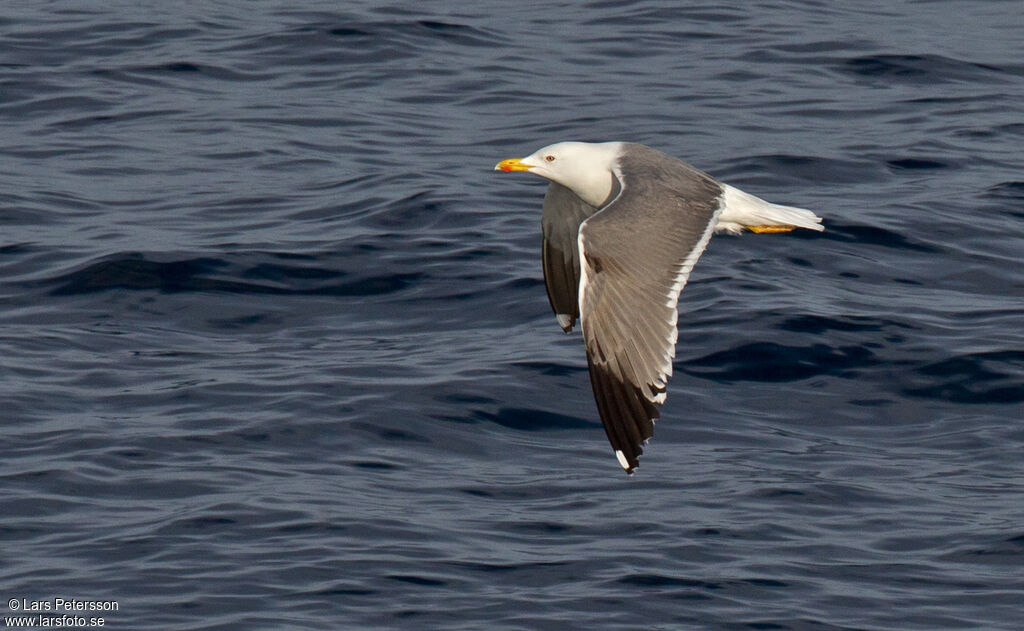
{"type": "Point", "coordinates": [623, 226]}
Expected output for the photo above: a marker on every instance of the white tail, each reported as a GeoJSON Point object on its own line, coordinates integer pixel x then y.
{"type": "Point", "coordinates": [742, 210]}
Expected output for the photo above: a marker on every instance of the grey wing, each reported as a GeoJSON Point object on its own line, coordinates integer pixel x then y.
{"type": "Point", "coordinates": [563, 213]}
{"type": "Point", "coordinates": [637, 256]}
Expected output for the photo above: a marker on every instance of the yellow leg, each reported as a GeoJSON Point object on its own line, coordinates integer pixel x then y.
{"type": "Point", "coordinates": [771, 229]}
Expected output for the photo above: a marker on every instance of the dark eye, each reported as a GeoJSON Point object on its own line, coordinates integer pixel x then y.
{"type": "Point", "coordinates": [549, 158]}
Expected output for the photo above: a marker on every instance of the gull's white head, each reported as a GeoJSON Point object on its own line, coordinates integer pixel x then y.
{"type": "Point", "coordinates": [586, 168]}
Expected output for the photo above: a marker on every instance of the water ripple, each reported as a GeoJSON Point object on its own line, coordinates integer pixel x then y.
{"type": "Point", "coordinates": [274, 343]}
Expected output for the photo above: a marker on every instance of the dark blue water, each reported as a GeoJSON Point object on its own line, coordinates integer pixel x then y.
{"type": "Point", "coordinates": [275, 351]}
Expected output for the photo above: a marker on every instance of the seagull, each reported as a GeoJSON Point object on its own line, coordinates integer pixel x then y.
{"type": "Point", "coordinates": [623, 226]}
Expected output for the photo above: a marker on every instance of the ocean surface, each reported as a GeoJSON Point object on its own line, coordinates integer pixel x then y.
{"type": "Point", "coordinates": [275, 349]}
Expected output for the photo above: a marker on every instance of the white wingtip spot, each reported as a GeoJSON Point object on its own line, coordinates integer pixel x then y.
{"type": "Point", "coordinates": [564, 320]}
{"type": "Point", "coordinates": [622, 459]}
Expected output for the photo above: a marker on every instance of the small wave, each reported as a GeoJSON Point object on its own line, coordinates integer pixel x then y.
{"type": "Point", "coordinates": [664, 581]}
{"type": "Point", "coordinates": [806, 168]}
{"type": "Point", "coordinates": [873, 235]}
{"type": "Point", "coordinates": [817, 325]}
{"type": "Point", "coordinates": [319, 41]}
{"type": "Point", "coordinates": [531, 420]}
{"type": "Point", "coordinates": [918, 164]}
{"type": "Point", "coordinates": [550, 369]}
{"type": "Point", "coordinates": [1006, 190]}
{"type": "Point", "coordinates": [770, 362]}
{"type": "Point", "coordinates": [920, 68]}
{"type": "Point", "coordinates": [220, 73]}
{"type": "Point", "coordinates": [992, 551]}
{"type": "Point", "coordinates": [135, 271]}
{"type": "Point", "coordinates": [975, 378]}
